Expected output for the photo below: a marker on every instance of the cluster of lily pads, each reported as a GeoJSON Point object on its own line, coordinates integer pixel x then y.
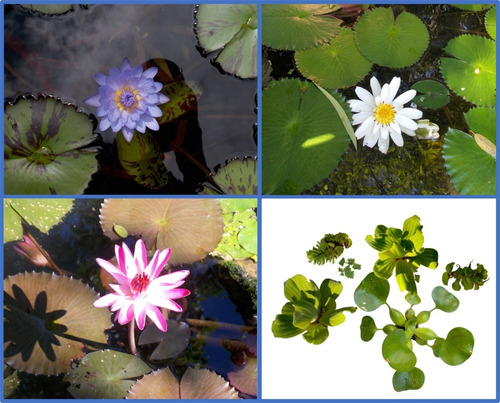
{"type": "Point", "coordinates": [312, 309]}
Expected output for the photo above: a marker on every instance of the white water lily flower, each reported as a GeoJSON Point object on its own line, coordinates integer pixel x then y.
{"type": "Point", "coordinates": [381, 116]}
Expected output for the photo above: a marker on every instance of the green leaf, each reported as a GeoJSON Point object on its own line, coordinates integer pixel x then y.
{"type": "Point", "coordinates": [444, 300]}
{"type": "Point", "coordinates": [412, 299]}
{"type": "Point", "coordinates": [316, 334]}
{"type": "Point", "coordinates": [337, 64]}
{"type": "Point", "coordinates": [238, 177]}
{"type": "Point", "coordinates": [472, 7]}
{"type": "Point", "coordinates": [396, 352]}
{"type": "Point", "coordinates": [295, 286]}
{"type": "Point", "coordinates": [425, 333]}
{"type": "Point", "coordinates": [283, 323]}
{"type": "Point", "coordinates": [423, 317]}
{"type": "Point", "coordinates": [397, 317]}
{"type": "Point", "coordinates": [431, 94]}
{"type": "Point", "coordinates": [490, 22]}
{"type": "Point", "coordinates": [391, 42]}
{"type": "Point", "coordinates": [329, 289]}
{"type": "Point", "coordinates": [471, 73]}
{"type": "Point", "coordinates": [368, 328]}
{"type": "Point", "coordinates": [304, 314]}
{"type": "Point", "coordinates": [379, 243]}
{"type": "Point", "coordinates": [384, 268]}
{"type": "Point", "coordinates": [413, 228]}
{"type": "Point", "coordinates": [457, 347]}
{"type": "Point", "coordinates": [428, 257]}
{"type": "Point", "coordinates": [371, 293]}
{"type": "Point", "coordinates": [297, 26]}
{"type": "Point", "coordinates": [482, 120]}
{"type": "Point", "coordinates": [405, 276]}
{"type": "Point", "coordinates": [335, 317]}
{"type": "Point", "coordinates": [410, 380]}
{"type": "Point", "coordinates": [44, 148]}
{"type": "Point", "coordinates": [299, 125]}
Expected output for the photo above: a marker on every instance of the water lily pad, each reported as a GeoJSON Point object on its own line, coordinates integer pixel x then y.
{"type": "Point", "coordinates": [192, 228]}
{"type": "Point", "coordinates": [391, 41]}
{"type": "Point", "coordinates": [458, 346]}
{"type": "Point", "coordinates": [472, 7]}
{"type": "Point", "coordinates": [45, 314]}
{"type": "Point", "coordinates": [42, 213]}
{"type": "Point", "coordinates": [371, 293]}
{"type": "Point", "coordinates": [49, 8]}
{"type": "Point", "coordinates": [471, 73]}
{"type": "Point", "coordinates": [245, 379]}
{"type": "Point", "coordinates": [430, 94]}
{"type": "Point", "coordinates": [472, 170]}
{"type": "Point", "coordinates": [105, 374]}
{"type": "Point", "coordinates": [482, 120]}
{"type": "Point", "coordinates": [337, 64]}
{"type": "Point", "coordinates": [411, 380]}
{"type": "Point", "coordinates": [171, 343]}
{"type": "Point", "coordinates": [297, 26]}
{"type": "Point", "coordinates": [232, 27]}
{"type": "Point", "coordinates": [299, 126]}
{"type": "Point", "coordinates": [397, 353]}
{"type": "Point", "coordinates": [444, 300]}
{"type": "Point", "coordinates": [490, 22]}
{"type": "Point", "coordinates": [237, 177]}
{"type": "Point", "coordinates": [44, 151]}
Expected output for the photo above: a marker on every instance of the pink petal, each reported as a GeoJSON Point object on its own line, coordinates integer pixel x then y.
{"type": "Point", "coordinates": [158, 262]}
{"type": "Point", "coordinates": [125, 315]}
{"type": "Point", "coordinates": [140, 314]}
{"type": "Point", "coordinates": [111, 269]}
{"type": "Point", "coordinates": [164, 303]}
{"type": "Point", "coordinates": [106, 300]}
{"type": "Point", "coordinates": [130, 265]}
{"type": "Point", "coordinates": [158, 319]}
{"type": "Point", "coordinates": [174, 277]}
{"type": "Point", "coordinates": [140, 254]}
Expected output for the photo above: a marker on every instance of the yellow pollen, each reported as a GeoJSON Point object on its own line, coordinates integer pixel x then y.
{"type": "Point", "coordinates": [384, 114]}
{"type": "Point", "coordinates": [128, 100]}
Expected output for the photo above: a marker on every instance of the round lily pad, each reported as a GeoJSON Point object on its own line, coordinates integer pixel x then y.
{"type": "Point", "coordinates": [303, 136]}
{"type": "Point", "coordinates": [44, 151]}
{"type": "Point", "coordinates": [391, 41]}
{"type": "Point", "coordinates": [245, 379]}
{"type": "Point", "coordinates": [49, 8]}
{"type": "Point", "coordinates": [232, 27]}
{"type": "Point", "coordinates": [490, 22]}
{"type": "Point", "coordinates": [191, 228]}
{"type": "Point", "coordinates": [472, 170]}
{"type": "Point", "coordinates": [337, 64]}
{"type": "Point", "coordinates": [371, 293]}
{"type": "Point", "coordinates": [297, 26]}
{"type": "Point", "coordinates": [431, 94]}
{"type": "Point", "coordinates": [472, 7]}
{"type": "Point", "coordinates": [444, 300]}
{"type": "Point", "coordinates": [45, 314]}
{"type": "Point", "coordinates": [171, 343]}
{"type": "Point", "coordinates": [410, 380]}
{"type": "Point", "coordinates": [471, 73]}
{"type": "Point", "coordinates": [458, 346]}
{"type": "Point", "coordinates": [237, 177]}
{"type": "Point", "coordinates": [482, 120]}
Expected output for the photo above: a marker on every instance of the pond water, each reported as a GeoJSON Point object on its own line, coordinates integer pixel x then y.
{"type": "Point", "coordinates": [59, 55]}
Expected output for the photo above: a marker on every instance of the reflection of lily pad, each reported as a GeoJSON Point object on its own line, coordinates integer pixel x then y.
{"type": "Point", "coordinates": [195, 384]}
{"type": "Point", "coordinates": [43, 214]}
{"type": "Point", "coordinates": [471, 73]}
{"type": "Point", "coordinates": [44, 147]}
{"type": "Point", "coordinates": [389, 41]}
{"type": "Point", "coordinates": [245, 379]}
{"type": "Point", "coordinates": [297, 26]}
{"type": "Point", "coordinates": [45, 314]}
{"type": "Point", "coordinates": [105, 374]}
{"type": "Point", "coordinates": [472, 170]}
{"type": "Point", "coordinates": [190, 227]}
{"type": "Point", "coordinates": [172, 342]}
{"type": "Point", "coordinates": [430, 94]}
{"type": "Point", "coordinates": [238, 177]}
{"type": "Point", "coordinates": [232, 27]}
{"type": "Point", "coordinates": [303, 136]}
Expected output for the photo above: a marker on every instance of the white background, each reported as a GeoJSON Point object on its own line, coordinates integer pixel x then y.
{"type": "Point", "coordinates": [345, 367]}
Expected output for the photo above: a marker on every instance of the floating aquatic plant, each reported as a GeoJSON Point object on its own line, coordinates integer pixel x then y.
{"type": "Point", "coordinates": [171, 343]}
{"type": "Point", "coordinates": [237, 177]}
{"type": "Point", "coordinates": [431, 94]}
{"type": "Point", "coordinates": [329, 248]}
{"type": "Point", "coordinates": [245, 379]}
{"type": "Point", "coordinates": [490, 22]}
{"type": "Point", "coordinates": [52, 9]}
{"type": "Point", "coordinates": [46, 147]}
{"type": "Point", "coordinates": [467, 276]}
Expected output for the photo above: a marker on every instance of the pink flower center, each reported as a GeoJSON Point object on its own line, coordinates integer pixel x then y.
{"type": "Point", "coordinates": [139, 283]}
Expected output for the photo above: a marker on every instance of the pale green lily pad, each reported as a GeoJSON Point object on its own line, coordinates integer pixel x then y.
{"type": "Point", "coordinates": [49, 8]}
{"type": "Point", "coordinates": [490, 22]}
{"type": "Point", "coordinates": [42, 213]}
{"type": "Point", "coordinates": [297, 26]}
{"type": "Point", "coordinates": [232, 27]}
{"type": "Point", "coordinates": [444, 300]}
{"type": "Point", "coordinates": [411, 380]}
{"type": "Point", "coordinates": [471, 73]}
{"type": "Point", "coordinates": [482, 120]}
{"type": "Point", "coordinates": [389, 41]}
{"type": "Point", "coordinates": [472, 7]}
{"type": "Point", "coordinates": [337, 64]}
{"type": "Point", "coordinates": [105, 374]}
{"type": "Point", "coordinates": [171, 343]}
{"type": "Point", "coordinates": [371, 293]}
{"type": "Point", "coordinates": [303, 136]}
{"type": "Point", "coordinates": [45, 315]}
{"type": "Point", "coordinates": [237, 177]}
{"type": "Point", "coordinates": [458, 346]}
{"type": "Point", "coordinates": [472, 170]}
{"type": "Point", "coordinates": [395, 351]}
{"type": "Point", "coordinates": [430, 94]}
{"type": "Point", "coordinates": [44, 150]}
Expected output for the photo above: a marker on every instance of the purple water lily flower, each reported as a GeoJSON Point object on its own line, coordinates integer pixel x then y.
{"type": "Point", "coordinates": [127, 99]}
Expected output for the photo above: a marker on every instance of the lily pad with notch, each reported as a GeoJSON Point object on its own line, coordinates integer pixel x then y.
{"type": "Point", "coordinates": [171, 343]}
{"type": "Point", "coordinates": [236, 177]}
{"type": "Point", "coordinates": [431, 94]}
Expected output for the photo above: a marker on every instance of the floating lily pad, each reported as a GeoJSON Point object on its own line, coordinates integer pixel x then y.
{"type": "Point", "coordinates": [430, 94]}
{"type": "Point", "coordinates": [444, 300]}
{"type": "Point", "coordinates": [105, 374]}
{"type": "Point", "coordinates": [299, 125]}
{"type": "Point", "coordinates": [371, 293]}
{"type": "Point", "coordinates": [42, 213]}
{"type": "Point", "coordinates": [171, 343]}
{"type": "Point", "coordinates": [490, 22]}
{"type": "Point", "coordinates": [44, 151]}
{"type": "Point", "coordinates": [411, 380]}
{"type": "Point", "coordinates": [395, 351]}
{"type": "Point", "coordinates": [472, 7]}
{"type": "Point", "coordinates": [298, 26]}
{"type": "Point", "coordinates": [245, 379]}
{"type": "Point", "coordinates": [337, 64]}
{"type": "Point", "coordinates": [391, 41]}
{"type": "Point", "coordinates": [195, 384]}
{"type": "Point", "coordinates": [482, 120]}
{"type": "Point", "coordinates": [237, 177]}
{"type": "Point", "coordinates": [472, 170]}
{"type": "Point", "coordinates": [232, 27]}
{"type": "Point", "coordinates": [458, 346]}
{"type": "Point", "coordinates": [190, 227]}
{"type": "Point", "coordinates": [49, 8]}
{"type": "Point", "coordinates": [183, 97]}
{"type": "Point", "coordinates": [45, 315]}
{"type": "Point", "coordinates": [471, 73]}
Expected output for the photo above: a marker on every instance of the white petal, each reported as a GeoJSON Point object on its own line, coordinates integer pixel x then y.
{"type": "Point", "coordinates": [394, 87]}
{"type": "Point", "coordinates": [384, 132]}
{"type": "Point", "coordinates": [383, 145]}
{"type": "Point", "coordinates": [384, 95]}
{"type": "Point", "coordinates": [411, 113]}
{"type": "Point", "coordinates": [361, 117]}
{"type": "Point", "coordinates": [397, 138]}
{"type": "Point", "coordinates": [406, 97]}
{"type": "Point", "coordinates": [406, 122]}
{"type": "Point", "coordinates": [365, 127]}
{"type": "Point", "coordinates": [371, 139]}
{"type": "Point", "coordinates": [409, 132]}
{"type": "Point", "coordinates": [375, 87]}
{"type": "Point", "coordinates": [395, 127]}
{"type": "Point", "coordinates": [359, 106]}
{"type": "Point", "coordinates": [365, 96]}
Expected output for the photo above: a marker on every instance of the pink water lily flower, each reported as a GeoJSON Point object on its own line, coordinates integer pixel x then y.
{"type": "Point", "coordinates": [140, 292]}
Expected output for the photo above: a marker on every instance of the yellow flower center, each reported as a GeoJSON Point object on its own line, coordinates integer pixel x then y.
{"type": "Point", "coordinates": [384, 114]}
{"type": "Point", "coordinates": [126, 98]}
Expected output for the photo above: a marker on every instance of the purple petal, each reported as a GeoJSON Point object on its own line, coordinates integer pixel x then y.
{"type": "Point", "coordinates": [125, 65]}
{"type": "Point", "coordinates": [128, 134]}
{"type": "Point", "coordinates": [93, 100]}
{"type": "Point", "coordinates": [150, 73]}
{"type": "Point", "coordinates": [152, 124]}
{"type": "Point", "coordinates": [163, 98]}
{"type": "Point", "coordinates": [100, 78]}
{"type": "Point", "coordinates": [104, 124]}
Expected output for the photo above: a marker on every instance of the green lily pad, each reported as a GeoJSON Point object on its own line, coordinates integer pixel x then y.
{"type": "Point", "coordinates": [458, 346]}
{"type": "Point", "coordinates": [42, 213]}
{"type": "Point", "coordinates": [410, 380]}
{"type": "Point", "coordinates": [105, 374]}
{"type": "Point", "coordinates": [297, 26]}
{"type": "Point", "coordinates": [232, 27]}
{"type": "Point", "coordinates": [471, 73]}
{"type": "Point", "coordinates": [472, 7]}
{"type": "Point", "coordinates": [191, 228]}
{"type": "Point", "coordinates": [482, 120]}
{"type": "Point", "coordinates": [47, 322]}
{"type": "Point", "coordinates": [299, 125]}
{"type": "Point", "coordinates": [397, 353]}
{"type": "Point", "coordinates": [49, 8]}
{"type": "Point", "coordinates": [431, 94]}
{"type": "Point", "coordinates": [237, 177]}
{"type": "Point", "coordinates": [368, 328]}
{"type": "Point", "coordinates": [472, 170]}
{"type": "Point", "coordinates": [490, 22]}
{"type": "Point", "coordinates": [171, 343]}
{"type": "Point", "coordinates": [444, 300]}
{"type": "Point", "coordinates": [371, 293]}
{"type": "Point", "coordinates": [44, 150]}
{"type": "Point", "coordinates": [337, 64]}
{"type": "Point", "coordinates": [391, 42]}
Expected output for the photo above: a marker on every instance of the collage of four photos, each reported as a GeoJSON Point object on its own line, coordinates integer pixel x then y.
{"type": "Point", "coordinates": [250, 201]}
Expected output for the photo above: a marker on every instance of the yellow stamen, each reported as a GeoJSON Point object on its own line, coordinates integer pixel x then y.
{"type": "Point", "coordinates": [384, 114]}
